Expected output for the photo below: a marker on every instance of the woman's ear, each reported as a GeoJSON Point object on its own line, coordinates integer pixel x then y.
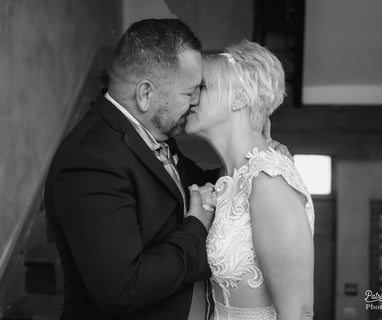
{"type": "Point", "coordinates": [144, 91]}
{"type": "Point", "coordinates": [240, 102]}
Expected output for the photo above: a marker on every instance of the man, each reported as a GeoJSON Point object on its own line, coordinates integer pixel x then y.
{"type": "Point", "coordinates": [117, 199]}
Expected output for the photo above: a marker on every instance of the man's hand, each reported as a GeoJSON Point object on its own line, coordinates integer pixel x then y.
{"type": "Point", "coordinates": [280, 148]}
{"type": "Point", "coordinates": [197, 210]}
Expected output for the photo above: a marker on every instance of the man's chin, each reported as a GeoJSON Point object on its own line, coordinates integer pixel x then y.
{"type": "Point", "coordinates": [178, 129]}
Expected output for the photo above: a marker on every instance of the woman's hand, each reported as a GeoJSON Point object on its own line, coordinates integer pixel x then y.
{"type": "Point", "coordinates": [207, 193]}
{"type": "Point", "coordinates": [197, 208]}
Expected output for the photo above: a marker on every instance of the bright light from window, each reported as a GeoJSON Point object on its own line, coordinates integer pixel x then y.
{"type": "Point", "coordinates": [316, 170]}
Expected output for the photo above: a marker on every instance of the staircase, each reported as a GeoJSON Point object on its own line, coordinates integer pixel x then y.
{"type": "Point", "coordinates": [32, 288]}
{"type": "Point", "coordinates": [39, 268]}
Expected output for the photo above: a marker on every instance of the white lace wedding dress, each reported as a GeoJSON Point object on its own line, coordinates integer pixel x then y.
{"type": "Point", "coordinates": [235, 269]}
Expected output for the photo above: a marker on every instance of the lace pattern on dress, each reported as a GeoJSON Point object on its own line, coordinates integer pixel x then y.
{"type": "Point", "coordinates": [229, 253]}
{"type": "Point", "coordinates": [229, 243]}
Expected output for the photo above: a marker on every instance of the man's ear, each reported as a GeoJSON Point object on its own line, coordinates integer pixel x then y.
{"type": "Point", "coordinates": [144, 91]}
{"type": "Point", "coordinates": [240, 102]}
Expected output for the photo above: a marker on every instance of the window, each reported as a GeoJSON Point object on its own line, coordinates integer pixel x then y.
{"type": "Point", "coordinates": [316, 170]}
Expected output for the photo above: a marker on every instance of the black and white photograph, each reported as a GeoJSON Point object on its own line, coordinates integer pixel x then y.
{"type": "Point", "coordinates": [190, 160]}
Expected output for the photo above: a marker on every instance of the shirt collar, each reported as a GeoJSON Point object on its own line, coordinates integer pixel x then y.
{"type": "Point", "coordinates": [145, 134]}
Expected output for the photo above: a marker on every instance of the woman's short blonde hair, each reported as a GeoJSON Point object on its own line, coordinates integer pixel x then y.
{"type": "Point", "coordinates": [250, 70]}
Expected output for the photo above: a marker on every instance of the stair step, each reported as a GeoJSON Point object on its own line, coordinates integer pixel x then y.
{"type": "Point", "coordinates": [34, 307]}
{"type": "Point", "coordinates": [43, 274]}
{"type": "Point", "coordinates": [43, 253]}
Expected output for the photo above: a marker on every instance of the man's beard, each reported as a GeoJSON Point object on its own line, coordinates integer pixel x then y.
{"type": "Point", "coordinates": [179, 128]}
{"type": "Point", "coordinates": [167, 125]}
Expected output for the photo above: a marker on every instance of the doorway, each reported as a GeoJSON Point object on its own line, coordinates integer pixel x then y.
{"type": "Point", "coordinates": [324, 255]}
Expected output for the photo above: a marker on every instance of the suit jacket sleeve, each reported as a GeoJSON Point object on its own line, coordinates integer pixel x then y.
{"type": "Point", "coordinates": [97, 209]}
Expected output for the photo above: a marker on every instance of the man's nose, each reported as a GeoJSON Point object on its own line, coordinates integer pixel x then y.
{"type": "Point", "coordinates": [195, 97]}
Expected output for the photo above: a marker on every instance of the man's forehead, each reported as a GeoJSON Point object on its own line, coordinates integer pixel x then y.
{"type": "Point", "coordinates": [190, 67]}
{"type": "Point", "coordinates": [190, 60]}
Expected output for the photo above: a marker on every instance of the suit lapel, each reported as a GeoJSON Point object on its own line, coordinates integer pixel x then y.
{"type": "Point", "coordinates": [142, 151]}
{"type": "Point", "coordinates": [136, 144]}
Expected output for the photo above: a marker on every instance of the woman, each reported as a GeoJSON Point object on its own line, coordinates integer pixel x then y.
{"type": "Point", "coordinates": [260, 245]}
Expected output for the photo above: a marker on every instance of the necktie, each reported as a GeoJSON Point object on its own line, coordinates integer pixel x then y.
{"type": "Point", "coordinates": [169, 164]}
{"type": "Point", "coordinates": [172, 145]}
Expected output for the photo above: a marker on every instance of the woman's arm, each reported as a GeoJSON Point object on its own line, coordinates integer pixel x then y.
{"type": "Point", "coordinates": [284, 246]}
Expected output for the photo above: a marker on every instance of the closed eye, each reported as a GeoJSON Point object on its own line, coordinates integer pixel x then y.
{"type": "Point", "coordinates": [202, 85]}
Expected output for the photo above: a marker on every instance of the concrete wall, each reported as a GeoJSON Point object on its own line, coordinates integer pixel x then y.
{"type": "Point", "coordinates": [47, 47]}
{"type": "Point", "coordinates": [135, 10]}
{"type": "Point", "coordinates": [216, 23]}
{"type": "Point", "coordinates": [357, 183]}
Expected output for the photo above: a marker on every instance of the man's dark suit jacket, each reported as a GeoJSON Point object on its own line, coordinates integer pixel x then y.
{"type": "Point", "coordinates": [127, 251]}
